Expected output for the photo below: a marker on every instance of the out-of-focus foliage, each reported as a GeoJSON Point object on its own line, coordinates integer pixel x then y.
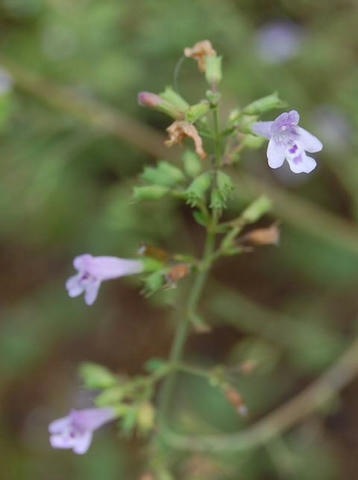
{"type": "Point", "coordinates": [66, 188]}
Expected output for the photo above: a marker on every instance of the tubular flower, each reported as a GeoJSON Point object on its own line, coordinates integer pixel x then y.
{"type": "Point", "coordinates": [76, 430]}
{"type": "Point", "coordinates": [199, 52]}
{"type": "Point", "coordinates": [179, 130]}
{"type": "Point", "coordinates": [94, 270]}
{"type": "Point", "coordinates": [289, 141]}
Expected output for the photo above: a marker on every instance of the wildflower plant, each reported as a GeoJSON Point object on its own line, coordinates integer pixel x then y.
{"type": "Point", "coordinates": [202, 179]}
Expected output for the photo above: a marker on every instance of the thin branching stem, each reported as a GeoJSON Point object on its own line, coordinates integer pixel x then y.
{"type": "Point", "coordinates": [327, 386]}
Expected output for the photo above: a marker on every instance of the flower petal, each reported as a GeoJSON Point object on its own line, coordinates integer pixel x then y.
{"type": "Point", "coordinates": [92, 418]}
{"type": "Point", "coordinates": [81, 261]}
{"type": "Point", "coordinates": [275, 154]}
{"type": "Point", "coordinates": [262, 128]}
{"type": "Point", "coordinates": [73, 286]}
{"type": "Point", "coordinates": [309, 142]}
{"type": "Point", "coordinates": [106, 268]}
{"type": "Point", "coordinates": [82, 443]}
{"type": "Point", "coordinates": [57, 426]}
{"type": "Point", "coordinates": [91, 292]}
{"type": "Point", "coordinates": [293, 117]}
{"type": "Point", "coordinates": [302, 163]}
{"type": "Point", "coordinates": [61, 441]}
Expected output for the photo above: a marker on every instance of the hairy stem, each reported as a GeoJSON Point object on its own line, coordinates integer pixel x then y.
{"type": "Point", "coordinates": [217, 137]}
{"type": "Point", "coordinates": [183, 327]}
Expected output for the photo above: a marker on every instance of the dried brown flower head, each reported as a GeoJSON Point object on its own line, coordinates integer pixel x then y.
{"type": "Point", "coordinates": [199, 52]}
{"type": "Point", "coordinates": [177, 272]}
{"type": "Point", "coordinates": [179, 130]}
{"type": "Point", "coordinates": [263, 236]}
{"type": "Point", "coordinates": [154, 252]}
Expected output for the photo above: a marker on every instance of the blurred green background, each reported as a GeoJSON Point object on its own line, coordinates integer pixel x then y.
{"type": "Point", "coordinates": [70, 153]}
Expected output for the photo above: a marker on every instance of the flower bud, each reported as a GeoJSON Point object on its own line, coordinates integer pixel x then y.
{"type": "Point", "coordinates": [153, 283]}
{"type": "Point", "coordinates": [192, 164]}
{"type": "Point", "coordinates": [264, 104]}
{"type": "Point", "coordinates": [213, 73]}
{"type": "Point", "coordinates": [150, 100]}
{"type": "Point", "coordinates": [145, 417]}
{"type": "Point", "coordinates": [173, 98]}
{"type": "Point", "coordinates": [225, 185]}
{"type": "Point", "coordinates": [151, 192]}
{"type": "Point", "coordinates": [110, 396]}
{"type": "Point", "coordinates": [197, 111]}
{"type": "Point", "coordinates": [197, 189]}
{"type": "Point", "coordinates": [176, 273]}
{"type": "Point", "coordinates": [164, 174]}
{"type": "Point", "coordinates": [217, 202]}
{"type": "Point", "coordinates": [154, 252]}
{"type": "Point", "coordinates": [151, 264]}
{"type": "Point", "coordinates": [95, 376]}
{"type": "Point", "coordinates": [173, 173]}
{"type": "Point", "coordinates": [256, 210]}
{"type": "Point", "coordinates": [213, 97]}
{"type": "Point", "coordinates": [263, 236]}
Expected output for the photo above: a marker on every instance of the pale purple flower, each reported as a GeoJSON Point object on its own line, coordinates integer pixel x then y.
{"type": "Point", "coordinates": [289, 141]}
{"type": "Point", "coordinates": [94, 270]}
{"type": "Point", "coordinates": [5, 81]}
{"type": "Point", "coordinates": [76, 430]}
{"type": "Point", "coordinates": [278, 41]}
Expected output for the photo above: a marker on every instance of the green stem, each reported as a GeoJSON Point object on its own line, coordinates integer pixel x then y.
{"type": "Point", "coordinates": [183, 327]}
{"type": "Point", "coordinates": [192, 370]}
{"type": "Point", "coordinates": [217, 137]}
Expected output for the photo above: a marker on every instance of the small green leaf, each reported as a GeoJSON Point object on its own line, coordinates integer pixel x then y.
{"type": "Point", "coordinates": [155, 364]}
{"type": "Point", "coordinates": [200, 218]}
{"type": "Point", "coordinates": [96, 376]}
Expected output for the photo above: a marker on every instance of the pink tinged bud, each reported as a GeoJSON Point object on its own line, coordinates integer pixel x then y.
{"type": "Point", "coordinates": [150, 100]}
{"type": "Point", "coordinates": [76, 430]}
{"type": "Point", "coordinates": [94, 270]}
